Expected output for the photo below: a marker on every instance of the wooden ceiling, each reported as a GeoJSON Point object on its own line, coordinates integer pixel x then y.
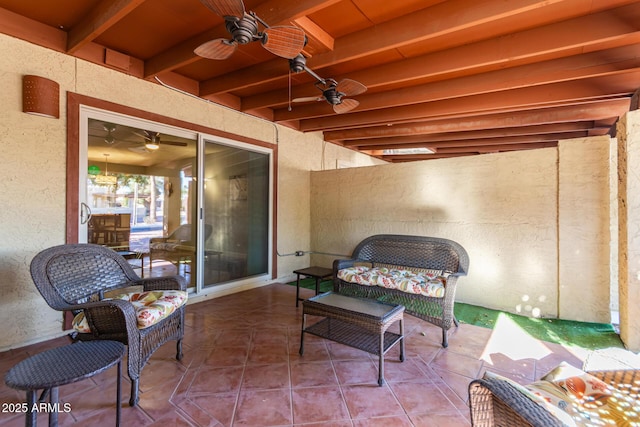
{"type": "Point", "coordinates": [454, 76]}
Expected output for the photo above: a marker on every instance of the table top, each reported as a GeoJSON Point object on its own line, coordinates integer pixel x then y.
{"type": "Point", "coordinates": [64, 365]}
{"type": "Point", "coordinates": [320, 272]}
{"type": "Point", "coordinates": [368, 307]}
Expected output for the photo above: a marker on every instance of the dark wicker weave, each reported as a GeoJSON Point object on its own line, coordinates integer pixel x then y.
{"type": "Point", "coordinates": [409, 251]}
{"type": "Point", "coordinates": [64, 365]}
{"type": "Point", "coordinates": [75, 277]}
{"type": "Point", "coordinates": [495, 402]}
{"type": "Point", "coordinates": [355, 322]}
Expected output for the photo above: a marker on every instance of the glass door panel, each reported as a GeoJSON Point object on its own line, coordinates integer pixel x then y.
{"type": "Point", "coordinates": [236, 202]}
{"type": "Point", "coordinates": [138, 190]}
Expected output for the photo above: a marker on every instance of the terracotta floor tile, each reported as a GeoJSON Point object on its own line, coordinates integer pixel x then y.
{"type": "Point", "coordinates": [318, 404]}
{"type": "Point", "coordinates": [264, 377]}
{"type": "Point", "coordinates": [397, 421]}
{"type": "Point", "coordinates": [369, 401]}
{"type": "Point", "coordinates": [241, 367]}
{"type": "Point", "coordinates": [312, 374]}
{"type": "Point", "coordinates": [263, 408]}
{"type": "Point", "coordinates": [361, 371]}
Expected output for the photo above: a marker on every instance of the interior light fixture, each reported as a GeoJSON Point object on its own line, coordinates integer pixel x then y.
{"type": "Point", "coordinates": [40, 96]}
{"type": "Point", "coordinates": [153, 143]}
{"type": "Point", "coordinates": [106, 179]}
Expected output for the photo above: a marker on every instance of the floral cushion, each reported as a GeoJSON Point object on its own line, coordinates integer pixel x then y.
{"type": "Point", "coordinates": [592, 401]}
{"type": "Point", "coordinates": [422, 282]}
{"type": "Point", "coordinates": [580, 399]}
{"type": "Point", "coordinates": [151, 307]}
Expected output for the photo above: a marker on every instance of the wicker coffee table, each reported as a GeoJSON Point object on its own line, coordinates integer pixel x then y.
{"type": "Point", "coordinates": [356, 322]}
{"type": "Point", "coordinates": [63, 365]}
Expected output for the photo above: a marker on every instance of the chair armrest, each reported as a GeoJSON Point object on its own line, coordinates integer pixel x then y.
{"type": "Point", "coordinates": [171, 283]}
{"type": "Point", "coordinates": [496, 402]}
{"type": "Point", "coordinates": [110, 317]}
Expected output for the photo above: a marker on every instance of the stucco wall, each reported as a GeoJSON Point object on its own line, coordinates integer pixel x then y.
{"type": "Point", "coordinates": [503, 208]}
{"type": "Point", "coordinates": [584, 232]}
{"type": "Point", "coordinates": [629, 237]}
{"type": "Point", "coordinates": [34, 152]}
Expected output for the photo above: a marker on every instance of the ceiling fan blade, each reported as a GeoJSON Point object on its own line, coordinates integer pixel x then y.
{"type": "Point", "coordinates": [225, 8]}
{"type": "Point", "coordinates": [284, 41]}
{"type": "Point", "coordinates": [175, 143]}
{"type": "Point", "coordinates": [308, 99]}
{"type": "Point", "coordinates": [216, 49]}
{"type": "Point", "coordinates": [345, 106]}
{"type": "Point", "coordinates": [351, 87]}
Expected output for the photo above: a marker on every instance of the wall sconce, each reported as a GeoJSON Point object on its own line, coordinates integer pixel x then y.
{"type": "Point", "coordinates": [40, 96]}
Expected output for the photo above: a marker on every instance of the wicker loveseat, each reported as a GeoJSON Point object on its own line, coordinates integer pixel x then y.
{"type": "Point", "coordinates": [76, 277]}
{"type": "Point", "coordinates": [418, 272]}
{"type": "Point", "coordinates": [501, 402]}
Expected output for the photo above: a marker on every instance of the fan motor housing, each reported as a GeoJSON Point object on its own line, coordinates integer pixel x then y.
{"type": "Point", "coordinates": [242, 30]}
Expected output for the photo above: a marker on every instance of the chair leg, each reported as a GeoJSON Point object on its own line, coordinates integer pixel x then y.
{"type": "Point", "coordinates": [133, 400]}
{"type": "Point", "coordinates": [445, 339]}
{"type": "Point", "coordinates": [179, 350]}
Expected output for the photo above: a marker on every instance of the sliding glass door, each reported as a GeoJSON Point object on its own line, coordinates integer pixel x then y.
{"type": "Point", "coordinates": [236, 206]}
{"type": "Point", "coordinates": [173, 201]}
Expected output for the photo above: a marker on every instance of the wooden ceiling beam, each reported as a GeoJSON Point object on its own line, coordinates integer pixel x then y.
{"type": "Point", "coordinates": [274, 12]}
{"type": "Point", "coordinates": [480, 134]}
{"type": "Point", "coordinates": [594, 110]}
{"type": "Point", "coordinates": [552, 41]}
{"type": "Point", "coordinates": [32, 31]}
{"type": "Point", "coordinates": [585, 65]}
{"type": "Point", "coordinates": [577, 67]}
{"type": "Point", "coordinates": [102, 17]}
{"type": "Point", "coordinates": [510, 100]}
{"type": "Point", "coordinates": [480, 142]}
{"type": "Point", "coordinates": [316, 34]}
{"type": "Point", "coordinates": [443, 19]}
{"type": "Point", "coordinates": [498, 148]}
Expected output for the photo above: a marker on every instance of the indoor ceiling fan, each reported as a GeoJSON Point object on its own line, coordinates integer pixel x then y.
{"type": "Point", "coordinates": [332, 91]}
{"type": "Point", "coordinates": [284, 41]}
{"type": "Point", "coordinates": [152, 140]}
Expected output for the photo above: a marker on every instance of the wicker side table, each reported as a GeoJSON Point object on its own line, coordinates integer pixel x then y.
{"type": "Point", "coordinates": [64, 365]}
{"type": "Point", "coordinates": [356, 322]}
{"type": "Point", "coordinates": [318, 273]}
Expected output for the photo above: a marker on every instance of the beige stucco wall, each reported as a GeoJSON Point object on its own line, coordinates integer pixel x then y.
{"type": "Point", "coordinates": [628, 132]}
{"type": "Point", "coordinates": [583, 226]}
{"type": "Point", "coordinates": [503, 208]}
{"type": "Point", "coordinates": [34, 154]}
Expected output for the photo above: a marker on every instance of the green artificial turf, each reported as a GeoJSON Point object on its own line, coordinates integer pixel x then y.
{"type": "Point", "coordinates": [580, 334]}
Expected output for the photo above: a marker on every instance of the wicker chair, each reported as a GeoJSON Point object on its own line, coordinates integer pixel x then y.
{"type": "Point", "coordinates": [495, 402]}
{"type": "Point", "coordinates": [409, 251]}
{"type": "Point", "coordinates": [75, 277]}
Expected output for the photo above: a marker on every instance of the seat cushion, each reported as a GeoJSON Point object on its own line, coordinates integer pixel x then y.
{"type": "Point", "coordinates": [587, 400]}
{"type": "Point", "coordinates": [430, 283]}
{"type": "Point", "coordinates": [151, 307]}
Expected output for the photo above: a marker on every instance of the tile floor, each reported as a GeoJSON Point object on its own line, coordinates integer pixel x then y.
{"type": "Point", "coordinates": [242, 368]}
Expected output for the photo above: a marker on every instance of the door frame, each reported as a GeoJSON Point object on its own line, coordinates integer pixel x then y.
{"type": "Point", "coordinates": [74, 103]}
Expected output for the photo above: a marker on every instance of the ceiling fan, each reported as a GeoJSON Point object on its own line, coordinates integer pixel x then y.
{"type": "Point", "coordinates": [152, 140]}
{"type": "Point", "coordinates": [332, 91]}
{"type": "Point", "coordinates": [284, 41]}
